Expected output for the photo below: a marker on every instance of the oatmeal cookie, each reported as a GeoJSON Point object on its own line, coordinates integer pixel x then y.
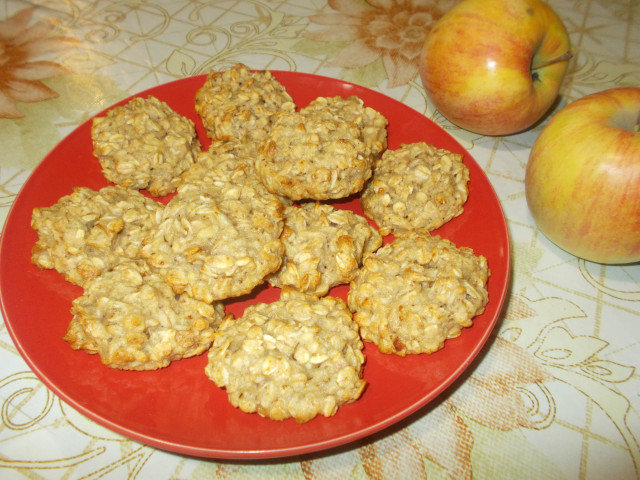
{"type": "Point", "coordinates": [230, 156]}
{"type": "Point", "coordinates": [416, 292]}
{"type": "Point", "coordinates": [239, 104]}
{"type": "Point", "coordinates": [324, 151]}
{"type": "Point", "coordinates": [220, 235]}
{"type": "Point", "coordinates": [416, 186]}
{"type": "Point", "coordinates": [134, 321]}
{"type": "Point", "coordinates": [144, 145]}
{"type": "Point", "coordinates": [297, 357]}
{"type": "Point", "coordinates": [88, 232]}
{"type": "Point", "coordinates": [324, 247]}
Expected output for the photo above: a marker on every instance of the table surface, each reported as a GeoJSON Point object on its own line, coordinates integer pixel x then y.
{"type": "Point", "coordinates": [555, 393]}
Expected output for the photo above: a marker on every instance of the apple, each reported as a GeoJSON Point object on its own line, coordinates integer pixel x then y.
{"type": "Point", "coordinates": [582, 181]}
{"type": "Point", "coordinates": [494, 67]}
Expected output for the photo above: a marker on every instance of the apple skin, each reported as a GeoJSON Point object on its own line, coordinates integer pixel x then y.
{"type": "Point", "coordinates": [476, 64]}
{"type": "Point", "coordinates": [582, 181]}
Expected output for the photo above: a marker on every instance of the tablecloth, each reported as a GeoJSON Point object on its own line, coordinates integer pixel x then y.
{"type": "Point", "coordinates": [555, 393]}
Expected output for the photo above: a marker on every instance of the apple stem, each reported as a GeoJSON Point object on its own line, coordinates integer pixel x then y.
{"type": "Point", "coordinates": [565, 56]}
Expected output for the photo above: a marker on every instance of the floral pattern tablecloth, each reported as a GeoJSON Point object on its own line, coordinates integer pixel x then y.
{"type": "Point", "coordinates": [556, 391]}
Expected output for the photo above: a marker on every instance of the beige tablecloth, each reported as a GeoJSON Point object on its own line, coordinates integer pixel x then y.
{"type": "Point", "coordinates": [556, 393]}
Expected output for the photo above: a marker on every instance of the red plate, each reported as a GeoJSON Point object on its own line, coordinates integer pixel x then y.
{"type": "Point", "coordinates": [178, 408]}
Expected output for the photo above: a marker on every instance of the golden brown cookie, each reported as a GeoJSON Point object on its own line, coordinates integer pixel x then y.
{"type": "Point", "coordinates": [324, 247]}
{"type": "Point", "coordinates": [298, 357]}
{"type": "Point", "coordinates": [416, 186]}
{"type": "Point", "coordinates": [238, 104]}
{"type": "Point", "coordinates": [324, 151]}
{"type": "Point", "coordinates": [220, 235]}
{"type": "Point", "coordinates": [416, 292]}
{"type": "Point", "coordinates": [88, 232]}
{"type": "Point", "coordinates": [134, 321]}
{"type": "Point", "coordinates": [144, 145]}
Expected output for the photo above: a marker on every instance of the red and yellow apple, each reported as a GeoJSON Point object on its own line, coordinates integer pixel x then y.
{"type": "Point", "coordinates": [494, 67]}
{"type": "Point", "coordinates": [582, 180]}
